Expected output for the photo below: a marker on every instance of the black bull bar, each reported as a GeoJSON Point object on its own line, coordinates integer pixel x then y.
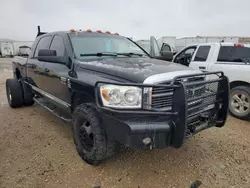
{"type": "Point", "coordinates": [210, 109]}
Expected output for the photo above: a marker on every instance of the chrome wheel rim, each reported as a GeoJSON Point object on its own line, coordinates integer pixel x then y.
{"type": "Point", "coordinates": [240, 103]}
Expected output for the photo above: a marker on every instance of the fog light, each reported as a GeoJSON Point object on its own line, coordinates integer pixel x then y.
{"type": "Point", "coordinates": [146, 141]}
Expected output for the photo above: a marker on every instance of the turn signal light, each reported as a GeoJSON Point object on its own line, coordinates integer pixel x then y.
{"type": "Point", "coordinates": [116, 33]}
{"type": "Point", "coordinates": [105, 94]}
{"type": "Point", "coordinates": [98, 31]}
{"type": "Point", "coordinates": [89, 30]}
{"type": "Point", "coordinates": [107, 32]}
{"type": "Point", "coordinates": [72, 30]}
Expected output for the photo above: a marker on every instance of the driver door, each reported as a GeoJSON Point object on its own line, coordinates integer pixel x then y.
{"type": "Point", "coordinates": [154, 48]}
{"type": "Point", "coordinates": [156, 53]}
{"type": "Point", "coordinates": [185, 56]}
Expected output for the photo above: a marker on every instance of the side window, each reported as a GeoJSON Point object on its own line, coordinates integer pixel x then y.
{"type": "Point", "coordinates": [32, 50]}
{"type": "Point", "coordinates": [185, 56]}
{"type": "Point", "coordinates": [43, 44]}
{"type": "Point", "coordinates": [190, 51]}
{"type": "Point", "coordinates": [165, 48]}
{"type": "Point", "coordinates": [58, 45]}
{"type": "Point", "coordinates": [202, 53]}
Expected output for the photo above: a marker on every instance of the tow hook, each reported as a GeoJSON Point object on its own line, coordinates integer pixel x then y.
{"type": "Point", "coordinates": [147, 141]}
{"type": "Point", "coordinates": [204, 117]}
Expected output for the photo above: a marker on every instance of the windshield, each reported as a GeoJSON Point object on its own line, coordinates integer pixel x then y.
{"type": "Point", "coordinates": [145, 45]}
{"type": "Point", "coordinates": [84, 45]}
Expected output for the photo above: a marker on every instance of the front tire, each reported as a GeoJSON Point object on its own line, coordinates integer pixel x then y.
{"type": "Point", "coordinates": [14, 93]}
{"type": "Point", "coordinates": [92, 143]}
{"type": "Point", "coordinates": [239, 104]}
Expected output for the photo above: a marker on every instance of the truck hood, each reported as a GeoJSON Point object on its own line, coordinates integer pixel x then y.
{"type": "Point", "coordinates": [137, 69]}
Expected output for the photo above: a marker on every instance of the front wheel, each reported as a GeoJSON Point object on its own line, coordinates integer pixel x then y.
{"type": "Point", "coordinates": [239, 104]}
{"type": "Point", "coordinates": [92, 143]}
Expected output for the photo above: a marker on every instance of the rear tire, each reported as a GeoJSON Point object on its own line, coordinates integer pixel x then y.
{"type": "Point", "coordinates": [239, 102]}
{"type": "Point", "coordinates": [92, 143]}
{"type": "Point", "coordinates": [27, 94]}
{"type": "Point", "coordinates": [14, 93]}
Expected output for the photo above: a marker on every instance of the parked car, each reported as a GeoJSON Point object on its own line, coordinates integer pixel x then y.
{"type": "Point", "coordinates": [233, 59]}
{"type": "Point", "coordinates": [112, 91]}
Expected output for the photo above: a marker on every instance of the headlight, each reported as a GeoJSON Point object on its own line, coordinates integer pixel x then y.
{"type": "Point", "coordinates": [121, 96]}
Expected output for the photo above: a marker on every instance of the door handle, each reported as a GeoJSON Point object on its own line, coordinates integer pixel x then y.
{"type": "Point", "coordinates": [202, 67]}
{"type": "Point", "coordinates": [46, 70]}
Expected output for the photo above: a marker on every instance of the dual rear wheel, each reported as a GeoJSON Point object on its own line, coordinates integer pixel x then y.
{"type": "Point", "coordinates": [18, 93]}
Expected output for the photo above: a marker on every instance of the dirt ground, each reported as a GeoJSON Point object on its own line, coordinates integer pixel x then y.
{"type": "Point", "coordinates": [37, 150]}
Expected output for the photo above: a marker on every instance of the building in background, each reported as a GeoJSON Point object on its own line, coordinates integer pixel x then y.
{"type": "Point", "coordinates": [186, 41]}
{"type": "Point", "coordinates": [10, 48]}
{"type": "Point", "coordinates": [170, 40]}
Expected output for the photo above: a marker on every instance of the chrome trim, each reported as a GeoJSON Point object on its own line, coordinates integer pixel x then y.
{"type": "Point", "coordinates": [168, 76]}
{"type": "Point", "coordinates": [163, 94]}
{"type": "Point", "coordinates": [160, 78]}
{"type": "Point", "coordinates": [52, 97]}
{"type": "Point", "coordinates": [147, 96]}
{"type": "Point", "coordinates": [52, 111]}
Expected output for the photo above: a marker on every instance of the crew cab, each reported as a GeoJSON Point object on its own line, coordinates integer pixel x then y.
{"type": "Point", "coordinates": [112, 91]}
{"type": "Point", "coordinates": [233, 59]}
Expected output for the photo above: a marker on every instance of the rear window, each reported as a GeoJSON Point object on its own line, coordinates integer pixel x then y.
{"type": "Point", "coordinates": [234, 54]}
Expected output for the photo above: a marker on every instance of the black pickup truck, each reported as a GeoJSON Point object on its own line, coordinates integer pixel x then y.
{"type": "Point", "coordinates": [112, 91]}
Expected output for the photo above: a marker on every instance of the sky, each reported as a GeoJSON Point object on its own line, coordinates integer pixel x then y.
{"type": "Point", "coordinates": [139, 19]}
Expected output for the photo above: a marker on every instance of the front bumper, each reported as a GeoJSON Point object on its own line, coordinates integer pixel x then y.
{"type": "Point", "coordinates": [169, 128]}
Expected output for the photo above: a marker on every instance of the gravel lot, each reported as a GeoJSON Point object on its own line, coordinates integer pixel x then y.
{"type": "Point", "coordinates": [37, 150]}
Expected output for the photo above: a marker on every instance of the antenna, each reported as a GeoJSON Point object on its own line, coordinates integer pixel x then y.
{"type": "Point", "coordinates": [39, 31]}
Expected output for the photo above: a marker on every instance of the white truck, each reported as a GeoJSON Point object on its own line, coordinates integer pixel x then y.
{"type": "Point", "coordinates": [233, 59]}
{"type": "Point", "coordinates": [181, 43]}
{"type": "Point", "coordinates": [6, 49]}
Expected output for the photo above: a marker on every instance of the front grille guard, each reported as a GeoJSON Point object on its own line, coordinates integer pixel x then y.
{"type": "Point", "coordinates": [184, 115]}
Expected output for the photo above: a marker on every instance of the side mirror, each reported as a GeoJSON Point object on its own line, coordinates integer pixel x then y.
{"type": "Point", "coordinates": [50, 56]}
{"type": "Point", "coordinates": [167, 55]}
{"type": "Point", "coordinates": [46, 52]}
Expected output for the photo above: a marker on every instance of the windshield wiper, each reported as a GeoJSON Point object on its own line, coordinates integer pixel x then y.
{"type": "Point", "coordinates": [99, 54]}
{"type": "Point", "coordinates": [131, 54]}
{"type": "Point", "coordinates": [114, 54]}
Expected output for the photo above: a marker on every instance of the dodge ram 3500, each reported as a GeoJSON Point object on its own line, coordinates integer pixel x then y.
{"type": "Point", "coordinates": [112, 91]}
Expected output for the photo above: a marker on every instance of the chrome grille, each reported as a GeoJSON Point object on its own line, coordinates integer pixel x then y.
{"type": "Point", "coordinates": [162, 97]}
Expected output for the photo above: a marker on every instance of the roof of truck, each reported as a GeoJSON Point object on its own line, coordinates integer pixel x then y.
{"type": "Point", "coordinates": [221, 44]}
{"type": "Point", "coordinates": [83, 33]}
